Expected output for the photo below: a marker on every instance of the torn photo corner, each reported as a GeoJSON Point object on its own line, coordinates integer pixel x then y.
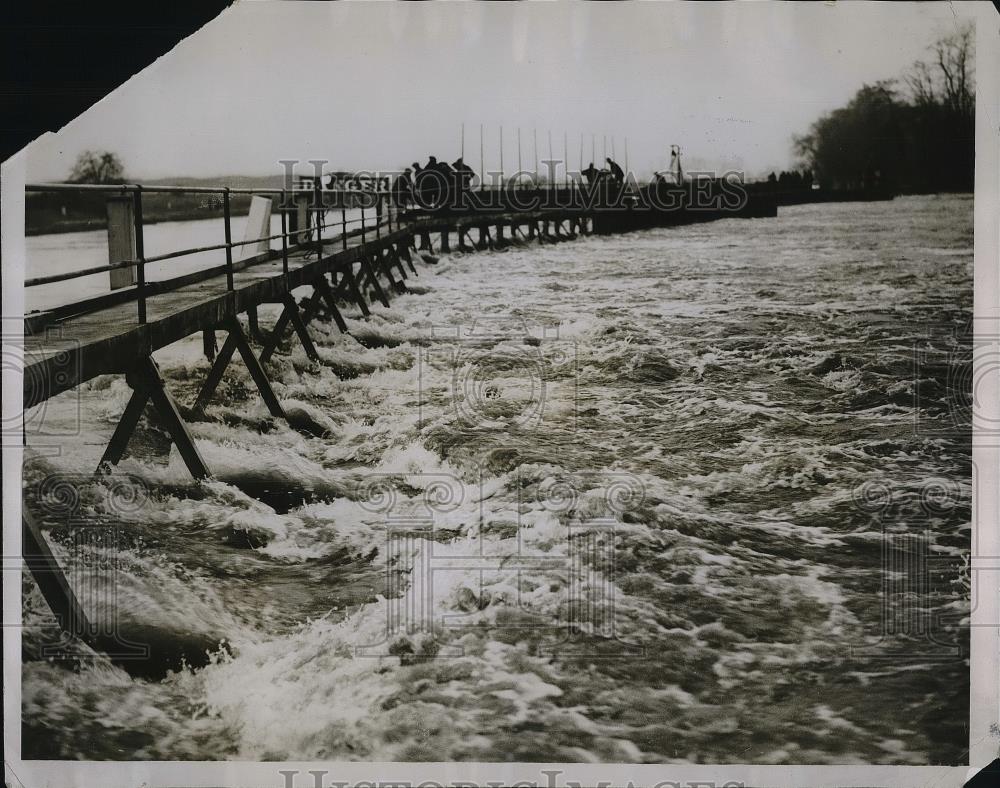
{"type": "Point", "coordinates": [542, 394]}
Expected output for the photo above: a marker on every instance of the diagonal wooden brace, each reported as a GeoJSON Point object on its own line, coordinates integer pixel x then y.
{"type": "Point", "coordinates": [351, 282]}
{"type": "Point", "coordinates": [404, 253]}
{"type": "Point", "coordinates": [51, 580]}
{"type": "Point", "coordinates": [300, 328]}
{"type": "Point", "coordinates": [147, 384]}
{"type": "Point", "coordinates": [394, 258]}
{"type": "Point", "coordinates": [384, 267]}
{"type": "Point", "coordinates": [368, 269]}
{"type": "Point", "coordinates": [237, 340]}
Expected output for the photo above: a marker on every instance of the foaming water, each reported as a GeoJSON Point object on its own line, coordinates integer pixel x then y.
{"type": "Point", "coordinates": [621, 499]}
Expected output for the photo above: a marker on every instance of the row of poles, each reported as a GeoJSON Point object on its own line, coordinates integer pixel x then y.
{"type": "Point", "coordinates": [534, 138]}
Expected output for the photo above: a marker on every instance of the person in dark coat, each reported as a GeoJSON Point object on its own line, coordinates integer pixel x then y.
{"type": "Point", "coordinates": [591, 173]}
{"type": "Point", "coordinates": [402, 190]}
{"type": "Point", "coordinates": [616, 172]}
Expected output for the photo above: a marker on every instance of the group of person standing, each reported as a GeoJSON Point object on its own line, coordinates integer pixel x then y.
{"type": "Point", "coordinates": [426, 186]}
{"type": "Point", "coordinates": [437, 183]}
{"type": "Point", "coordinates": [613, 172]}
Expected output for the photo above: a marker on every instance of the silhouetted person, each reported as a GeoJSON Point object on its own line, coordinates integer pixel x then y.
{"type": "Point", "coordinates": [448, 183]}
{"type": "Point", "coordinates": [464, 171]}
{"type": "Point", "coordinates": [616, 172]}
{"type": "Point", "coordinates": [591, 173]}
{"type": "Point", "coordinates": [402, 190]}
{"type": "Point", "coordinates": [464, 175]}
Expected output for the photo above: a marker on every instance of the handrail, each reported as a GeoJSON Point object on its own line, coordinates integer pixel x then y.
{"type": "Point", "coordinates": [131, 187]}
{"type": "Point", "coordinates": [100, 269]}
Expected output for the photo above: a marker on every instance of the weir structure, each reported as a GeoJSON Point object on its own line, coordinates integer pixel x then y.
{"type": "Point", "coordinates": [355, 261]}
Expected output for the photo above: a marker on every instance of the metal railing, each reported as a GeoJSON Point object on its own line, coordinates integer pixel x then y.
{"type": "Point", "coordinates": [317, 207]}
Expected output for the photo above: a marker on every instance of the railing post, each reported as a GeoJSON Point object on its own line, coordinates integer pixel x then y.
{"type": "Point", "coordinates": [229, 239]}
{"type": "Point", "coordinates": [284, 237]}
{"type": "Point", "coordinates": [320, 216]}
{"type": "Point", "coordinates": [343, 220]}
{"type": "Point", "coordinates": [140, 254]}
{"type": "Point", "coordinates": [362, 223]}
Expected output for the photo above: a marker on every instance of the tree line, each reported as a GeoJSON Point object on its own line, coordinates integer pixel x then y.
{"type": "Point", "coordinates": [916, 134]}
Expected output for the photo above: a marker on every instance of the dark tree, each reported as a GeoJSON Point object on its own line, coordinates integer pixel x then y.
{"type": "Point", "coordinates": [97, 167]}
{"type": "Point", "coordinates": [923, 141]}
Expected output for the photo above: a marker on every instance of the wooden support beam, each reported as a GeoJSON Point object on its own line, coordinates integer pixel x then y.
{"type": "Point", "coordinates": [300, 328]}
{"type": "Point", "coordinates": [425, 242]}
{"type": "Point", "coordinates": [236, 340]}
{"type": "Point", "coordinates": [147, 384]}
{"type": "Point", "coordinates": [208, 343]}
{"type": "Point", "coordinates": [366, 266]}
{"type": "Point", "coordinates": [392, 259]}
{"type": "Point", "coordinates": [485, 242]}
{"type": "Point", "coordinates": [254, 325]}
{"type": "Point", "coordinates": [403, 252]}
{"type": "Point", "coordinates": [52, 581]}
{"type": "Point", "coordinates": [256, 370]}
{"type": "Point", "coordinates": [271, 341]}
{"type": "Point", "coordinates": [126, 426]}
{"type": "Point", "coordinates": [215, 374]}
{"type": "Point", "coordinates": [399, 287]}
{"type": "Point", "coordinates": [445, 243]}
{"type": "Point", "coordinates": [348, 280]}
{"type": "Point", "coordinates": [323, 291]}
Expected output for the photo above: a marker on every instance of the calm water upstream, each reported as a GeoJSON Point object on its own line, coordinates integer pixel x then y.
{"type": "Point", "coordinates": [629, 495]}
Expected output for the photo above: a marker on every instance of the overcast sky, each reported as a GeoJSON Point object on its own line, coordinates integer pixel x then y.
{"type": "Point", "coordinates": [378, 85]}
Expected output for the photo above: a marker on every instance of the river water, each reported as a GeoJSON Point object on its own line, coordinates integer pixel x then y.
{"type": "Point", "coordinates": [699, 494]}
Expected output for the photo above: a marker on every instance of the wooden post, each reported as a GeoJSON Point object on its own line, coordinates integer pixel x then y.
{"type": "Point", "coordinates": [121, 239]}
{"type": "Point", "coordinates": [208, 343]}
{"type": "Point", "coordinates": [445, 244]}
{"type": "Point", "coordinates": [425, 242]}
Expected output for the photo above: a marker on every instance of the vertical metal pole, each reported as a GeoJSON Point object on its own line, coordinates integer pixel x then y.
{"type": "Point", "coordinates": [482, 160]}
{"type": "Point", "coordinates": [552, 182]}
{"type": "Point", "coordinates": [463, 141]}
{"type": "Point", "coordinates": [501, 156]}
{"type": "Point", "coordinates": [519, 154]}
{"type": "Point", "coordinates": [229, 239]}
{"type": "Point", "coordinates": [581, 152]}
{"type": "Point", "coordinates": [343, 221]}
{"type": "Point", "coordinates": [605, 138]}
{"type": "Point", "coordinates": [320, 216]}
{"type": "Point", "coordinates": [565, 158]}
{"type": "Point", "coordinates": [534, 138]}
{"type": "Point", "coordinates": [362, 224]}
{"type": "Point", "coordinates": [593, 148]}
{"type": "Point", "coordinates": [284, 235]}
{"type": "Point", "coordinates": [140, 254]}
{"type": "Point", "coordinates": [626, 156]}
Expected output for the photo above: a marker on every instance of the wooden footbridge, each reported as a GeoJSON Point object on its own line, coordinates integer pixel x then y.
{"type": "Point", "coordinates": [357, 261]}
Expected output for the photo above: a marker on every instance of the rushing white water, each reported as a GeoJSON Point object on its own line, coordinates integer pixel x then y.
{"type": "Point", "coordinates": [618, 499]}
